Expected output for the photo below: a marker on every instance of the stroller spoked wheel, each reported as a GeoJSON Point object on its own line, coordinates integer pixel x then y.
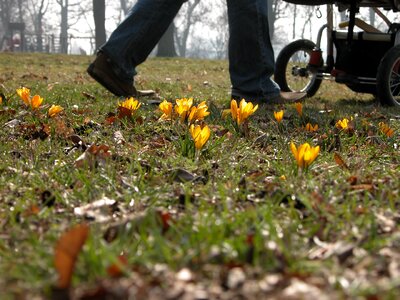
{"type": "Point", "coordinates": [388, 78]}
{"type": "Point", "coordinates": [292, 70]}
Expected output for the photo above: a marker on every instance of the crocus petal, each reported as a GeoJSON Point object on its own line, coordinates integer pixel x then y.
{"type": "Point", "coordinates": [36, 101]}
{"type": "Point", "coordinates": [278, 115]}
{"type": "Point", "coordinates": [55, 110]}
{"type": "Point", "coordinates": [294, 150]}
{"type": "Point", "coordinates": [130, 104]}
{"type": "Point", "coordinates": [199, 135]}
{"type": "Point", "coordinates": [299, 108]}
{"type": "Point", "coordinates": [234, 110]}
{"type": "Point", "coordinates": [24, 94]}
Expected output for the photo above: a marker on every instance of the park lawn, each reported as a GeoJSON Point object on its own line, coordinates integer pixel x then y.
{"type": "Point", "coordinates": [237, 218]}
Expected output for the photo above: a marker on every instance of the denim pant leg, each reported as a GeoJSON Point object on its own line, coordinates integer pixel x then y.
{"type": "Point", "coordinates": [134, 39]}
{"type": "Point", "coordinates": [251, 57]}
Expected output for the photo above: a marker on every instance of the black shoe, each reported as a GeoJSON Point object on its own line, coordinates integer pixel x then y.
{"type": "Point", "coordinates": [101, 70]}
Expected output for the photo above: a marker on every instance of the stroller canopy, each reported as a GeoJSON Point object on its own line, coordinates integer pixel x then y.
{"type": "Point", "coordinates": [387, 4]}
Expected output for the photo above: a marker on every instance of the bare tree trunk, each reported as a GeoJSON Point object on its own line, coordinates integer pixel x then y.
{"type": "Point", "coordinates": [294, 22]}
{"type": "Point", "coordinates": [99, 15]}
{"type": "Point", "coordinates": [166, 45]}
{"type": "Point", "coordinates": [124, 7]}
{"type": "Point", "coordinates": [39, 25]}
{"type": "Point", "coordinates": [182, 44]}
{"type": "Point", "coordinates": [5, 12]}
{"type": "Point", "coordinates": [21, 18]}
{"type": "Point", "coordinates": [309, 14]}
{"type": "Point", "coordinates": [64, 26]}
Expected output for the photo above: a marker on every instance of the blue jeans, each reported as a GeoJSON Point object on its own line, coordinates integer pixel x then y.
{"type": "Point", "coordinates": [251, 57]}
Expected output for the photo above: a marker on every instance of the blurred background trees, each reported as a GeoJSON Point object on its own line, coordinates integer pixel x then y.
{"type": "Point", "coordinates": [199, 30]}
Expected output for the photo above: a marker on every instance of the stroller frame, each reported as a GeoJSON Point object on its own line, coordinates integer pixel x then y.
{"type": "Point", "coordinates": [366, 61]}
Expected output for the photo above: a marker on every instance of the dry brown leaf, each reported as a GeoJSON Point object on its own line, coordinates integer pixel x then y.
{"type": "Point", "coordinates": [88, 96]}
{"type": "Point", "coordinates": [352, 180]}
{"type": "Point", "coordinates": [66, 252]}
{"type": "Point", "coordinates": [124, 112]}
{"type": "Point", "coordinates": [340, 161]}
{"type": "Point", "coordinates": [62, 129]}
{"type": "Point", "coordinates": [361, 187]}
{"type": "Point", "coordinates": [93, 156]}
{"type": "Point", "coordinates": [116, 269]}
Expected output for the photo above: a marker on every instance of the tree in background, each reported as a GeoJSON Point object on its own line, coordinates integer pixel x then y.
{"type": "Point", "coordinates": [99, 16]}
{"type": "Point", "coordinates": [219, 42]}
{"type": "Point", "coordinates": [192, 13]}
{"type": "Point", "coordinates": [166, 45]}
{"type": "Point", "coordinates": [37, 10]}
{"type": "Point", "coordinates": [63, 25]}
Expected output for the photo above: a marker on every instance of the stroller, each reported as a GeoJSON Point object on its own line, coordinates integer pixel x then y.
{"type": "Point", "coordinates": [367, 61]}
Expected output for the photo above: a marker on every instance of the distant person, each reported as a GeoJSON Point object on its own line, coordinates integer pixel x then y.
{"type": "Point", "coordinates": [251, 57]}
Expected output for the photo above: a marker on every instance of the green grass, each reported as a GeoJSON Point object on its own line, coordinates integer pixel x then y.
{"type": "Point", "coordinates": [294, 222]}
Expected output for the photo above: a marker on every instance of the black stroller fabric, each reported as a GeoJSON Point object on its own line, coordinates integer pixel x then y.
{"type": "Point", "coordinates": [360, 57]}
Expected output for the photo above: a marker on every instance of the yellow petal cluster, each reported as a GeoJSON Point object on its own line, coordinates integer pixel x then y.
{"type": "Point", "coordinates": [200, 135]}
{"type": "Point", "coordinates": [278, 115]}
{"type": "Point", "coordinates": [199, 112]}
{"type": "Point", "coordinates": [36, 101]}
{"type": "Point", "coordinates": [55, 110]}
{"type": "Point", "coordinates": [385, 129]}
{"type": "Point", "coordinates": [342, 124]}
{"type": "Point", "coordinates": [299, 108]}
{"type": "Point", "coordinates": [131, 104]}
{"type": "Point", "coordinates": [305, 154]}
{"type": "Point", "coordinates": [309, 127]}
{"type": "Point", "coordinates": [166, 108]}
{"type": "Point", "coordinates": [243, 112]}
{"type": "Point", "coordinates": [25, 94]}
{"type": "Point", "coordinates": [182, 107]}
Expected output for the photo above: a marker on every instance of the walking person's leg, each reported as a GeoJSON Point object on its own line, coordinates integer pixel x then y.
{"type": "Point", "coordinates": [131, 43]}
{"type": "Point", "coordinates": [251, 56]}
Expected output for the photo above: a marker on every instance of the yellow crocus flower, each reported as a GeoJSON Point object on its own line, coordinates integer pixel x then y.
{"type": "Point", "coordinates": [234, 110]}
{"type": "Point", "coordinates": [182, 107]}
{"type": "Point", "coordinates": [55, 110]}
{"type": "Point", "coordinates": [25, 94]}
{"type": "Point", "coordinates": [305, 154]}
{"type": "Point", "coordinates": [166, 108]}
{"type": "Point", "coordinates": [342, 124]}
{"type": "Point", "coordinates": [246, 109]}
{"type": "Point", "coordinates": [309, 127]}
{"type": "Point", "coordinates": [243, 112]}
{"type": "Point", "coordinates": [198, 113]}
{"type": "Point", "coordinates": [278, 115]}
{"type": "Point", "coordinates": [36, 101]}
{"type": "Point", "coordinates": [299, 108]}
{"type": "Point", "coordinates": [200, 135]}
{"type": "Point", "coordinates": [131, 104]}
{"type": "Point", "coordinates": [385, 129]}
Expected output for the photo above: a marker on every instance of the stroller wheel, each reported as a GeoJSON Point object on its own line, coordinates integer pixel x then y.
{"type": "Point", "coordinates": [388, 78]}
{"type": "Point", "coordinates": [292, 71]}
